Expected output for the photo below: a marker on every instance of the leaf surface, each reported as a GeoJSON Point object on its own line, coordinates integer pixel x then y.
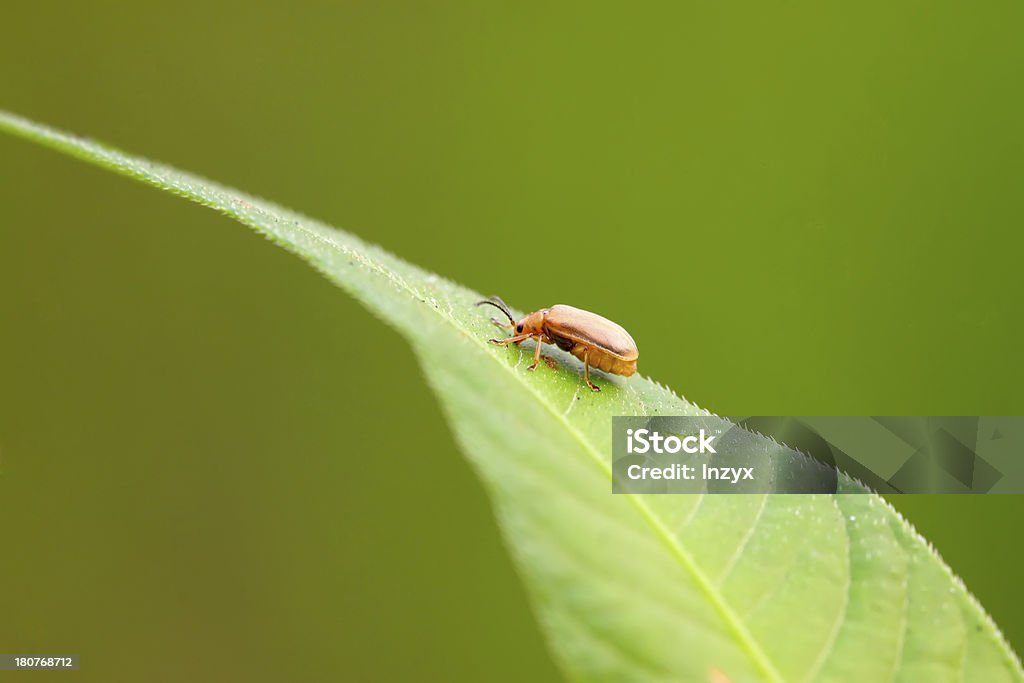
{"type": "Point", "coordinates": [628, 587]}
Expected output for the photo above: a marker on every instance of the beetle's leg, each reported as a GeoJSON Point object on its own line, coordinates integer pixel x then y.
{"type": "Point", "coordinates": [507, 326]}
{"type": "Point", "coordinates": [536, 356]}
{"type": "Point", "coordinates": [511, 340]}
{"type": "Point", "coordinates": [586, 371]}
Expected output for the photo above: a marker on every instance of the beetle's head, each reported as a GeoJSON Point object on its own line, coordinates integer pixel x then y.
{"type": "Point", "coordinates": [530, 324]}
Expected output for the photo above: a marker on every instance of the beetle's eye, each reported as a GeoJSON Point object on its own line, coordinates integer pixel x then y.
{"type": "Point", "coordinates": [519, 327]}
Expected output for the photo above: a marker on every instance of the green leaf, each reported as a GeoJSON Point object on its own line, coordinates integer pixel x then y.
{"type": "Point", "coordinates": [660, 588]}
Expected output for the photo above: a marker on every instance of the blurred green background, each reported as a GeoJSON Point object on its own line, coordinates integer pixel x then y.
{"type": "Point", "coordinates": [214, 464]}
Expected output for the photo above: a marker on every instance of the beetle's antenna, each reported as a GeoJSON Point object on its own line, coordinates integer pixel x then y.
{"type": "Point", "coordinates": [500, 305]}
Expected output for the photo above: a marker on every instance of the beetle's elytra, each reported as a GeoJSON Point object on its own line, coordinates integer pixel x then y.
{"type": "Point", "coordinates": [594, 340]}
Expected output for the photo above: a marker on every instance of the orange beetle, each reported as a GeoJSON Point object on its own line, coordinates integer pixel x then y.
{"type": "Point", "coordinates": [594, 340]}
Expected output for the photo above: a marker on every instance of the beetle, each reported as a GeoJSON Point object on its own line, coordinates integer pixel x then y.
{"type": "Point", "coordinates": [594, 340]}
